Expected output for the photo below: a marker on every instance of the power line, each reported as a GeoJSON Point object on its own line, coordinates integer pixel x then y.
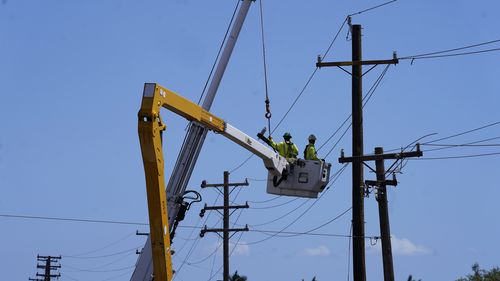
{"type": "Point", "coordinates": [107, 279]}
{"type": "Point", "coordinates": [463, 133]}
{"type": "Point", "coordinates": [265, 201]}
{"type": "Point", "coordinates": [469, 144]}
{"type": "Point", "coordinates": [75, 269]}
{"type": "Point", "coordinates": [104, 247]}
{"type": "Point", "coordinates": [111, 262]}
{"type": "Point", "coordinates": [373, 8]}
{"type": "Point", "coordinates": [242, 163]}
{"type": "Point", "coordinates": [457, 157]}
{"type": "Point", "coordinates": [310, 230]}
{"type": "Point", "coordinates": [464, 145]}
{"type": "Point", "coordinates": [198, 238]}
{"type": "Point", "coordinates": [195, 243]}
{"type": "Point", "coordinates": [294, 233]}
{"type": "Point", "coordinates": [366, 99]}
{"type": "Point", "coordinates": [457, 54]}
{"type": "Point", "coordinates": [296, 219]}
{"type": "Point", "coordinates": [335, 38]}
{"type": "Point", "coordinates": [102, 256]}
{"type": "Point", "coordinates": [280, 217]}
{"type": "Point", "coordinates": [72, 219]}
{"type": "Point", "coordinates": [313, 74]}
{"type": "Point", "coordinates": [230, 254]}
{"type": "Point", "coordinates": [449, 50]}
{"type": "Point", "coordinates": [275, 206]}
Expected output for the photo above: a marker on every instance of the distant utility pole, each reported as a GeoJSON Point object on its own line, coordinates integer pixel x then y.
{"type": "Point", "coordinates": [47, 267]}
{"type": "Point", "coordinates": [358, 223]}
{"type": "Point", "coordinates": [225, 230]}
{"type": "Point", "coordinates": [381, 196]}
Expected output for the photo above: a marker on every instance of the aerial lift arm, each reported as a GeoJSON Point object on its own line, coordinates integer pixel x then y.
{"type": "Point", "coordinates": [150, 129]}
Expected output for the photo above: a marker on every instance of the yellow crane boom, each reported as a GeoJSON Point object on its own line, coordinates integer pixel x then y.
{"type": "Point", "coordinates": [150, 128]}
{"type": "Point", "coordinates": [306, 179]}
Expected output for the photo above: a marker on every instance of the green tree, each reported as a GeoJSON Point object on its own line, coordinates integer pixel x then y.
{"type": "Point", "coordinates": [237, 277]}
{"type": "Point", "coordinates": [479, 274]}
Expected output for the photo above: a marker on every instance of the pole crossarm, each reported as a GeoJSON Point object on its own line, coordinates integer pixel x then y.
{"type": "Point", "coordinates": [363, 158]}
{"type": "Point", "coordinates": [350, 63]}
{"type": "Point", "coordinates": [204, 184]}
{"type": "Point", "coordinates": [321, 64]}
{"type": "Point", "coordinates": [205, 230]}
{"type": "Point", "coordinates": [381, 183]}
{"type": "Point", "coordinates": [207, 208]}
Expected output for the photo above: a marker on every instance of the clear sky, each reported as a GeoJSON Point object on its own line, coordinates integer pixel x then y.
{"type": "Point", "coordinates": [71, 79]}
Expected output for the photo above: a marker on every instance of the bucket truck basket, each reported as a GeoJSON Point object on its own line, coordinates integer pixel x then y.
{"type": "Point", "coordinates": [306, 178]}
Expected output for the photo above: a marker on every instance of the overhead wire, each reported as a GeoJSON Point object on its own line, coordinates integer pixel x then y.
{"type": "Point", "coordinates": [112, 262]}
{"type": "Point", "coordinates": [437, 54]}
{"type": "Point", "coordinates": [104, 247]}
{"type": "Point", "coordinates": [298, 207]}
{"type": "Point", "coordinates": [277, 205]}
{"type": "Point", "coordinates": [315, 228]}
{"type": "Point", "coordinates": [194, 244]}
{"type": "Point", "coordinates": [373, 8]}
{"type": "Point", "coordinates": [463, 133]}
{"type": "Point", "coordinates": [218, 245]}
{"type": "Point", "coordinates": [365, 100]}
{"type": "Point", "coordinates": [458, 54]}
{"type": "Point", "coordinates": [104, 256]}
{"type": "Point", "coordinates": [296, 219]}
{"type": "Point", "coordinates": [75, 269]}
{"type": "Point", "coordinates": [72, 219]}
{"type": "Point", "coordinates": [313, 74]}
{"type": "Point", "coordinates": [456, 157]}
{"type": "Point", "coordinates": [185, 261]}
{"type": "Point", "coordinates": [463, 145]}
{"type": "Point", "coordinates": [265, 201]}
{"type": "Point", "coordinates": [230, 254]}
{"type": "Point", "coordinates": [303, 89]}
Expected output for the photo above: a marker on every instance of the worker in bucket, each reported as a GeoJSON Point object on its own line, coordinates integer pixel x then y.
{"type": "Point", "coordinates": [310, 150]}
{"type": "Point", "coordinates": [286, 148]}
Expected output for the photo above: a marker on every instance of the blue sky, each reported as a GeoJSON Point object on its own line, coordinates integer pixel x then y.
{"type": "Point", "coordinates": [71, 79]}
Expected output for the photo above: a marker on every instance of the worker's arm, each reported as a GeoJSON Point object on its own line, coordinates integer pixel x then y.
{"type": "Point", "coordinates": [273, 144]}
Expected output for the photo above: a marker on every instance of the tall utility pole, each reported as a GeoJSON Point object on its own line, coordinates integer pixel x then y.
{"type": "Point", "coordinates": [226, 213]}
{"type": "Point", "coordinates": [358, 206]}
{"type": "Point", "coordinates": [381, 184]}
{"type": "Point", "coordinates": [358, 222]}
{"type": "Point", "coordinates": [383, 213]}
{"type": "Point", "coordinates": [47, 268]}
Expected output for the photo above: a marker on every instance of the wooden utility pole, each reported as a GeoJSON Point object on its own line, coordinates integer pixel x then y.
{"type": "Point", "coordinates": [358, 206]}
{"type": "Point", "coordinates": [381, 184]}
{"type": "Point", "coordinates": [383, 213]}
{"type": "Point", "coordinates": [358, 222]}
{"type": "Point", "coordinates": [47, 268]}
{"type": "Point", "coordinates": [226, 213]}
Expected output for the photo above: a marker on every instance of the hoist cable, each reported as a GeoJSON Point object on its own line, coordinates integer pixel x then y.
{"type": "Point", "coordinates": [268, 109]}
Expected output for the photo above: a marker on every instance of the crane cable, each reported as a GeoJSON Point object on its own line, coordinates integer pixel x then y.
{"type": "Point", "coordinates": [267, 102]}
